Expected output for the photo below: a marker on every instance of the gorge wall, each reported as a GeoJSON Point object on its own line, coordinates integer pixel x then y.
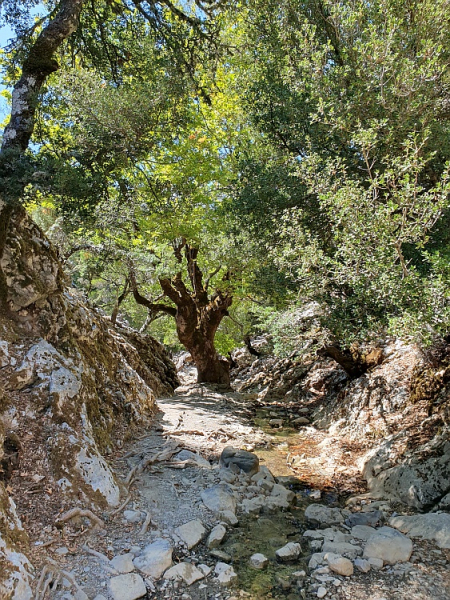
{"type": "Point", "coordinates": [72, 388]}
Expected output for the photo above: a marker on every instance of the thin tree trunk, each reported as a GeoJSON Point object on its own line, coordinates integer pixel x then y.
{"type": "Point", "coordinates": [38, 64]}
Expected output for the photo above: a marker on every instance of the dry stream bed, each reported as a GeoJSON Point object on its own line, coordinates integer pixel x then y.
{"type": "Point", "coordinates": [163, 492]}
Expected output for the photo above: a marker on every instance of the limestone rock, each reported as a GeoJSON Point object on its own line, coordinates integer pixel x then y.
{"type": "Point", "coordinates": [220, 554]}
{"type": "Point", "coordinates": [246, 461]}
{"type": "Point", "coordinates": [344, 548]}
{"type": "Point", "coordinates": [185, 571]}
{"type": "Point", "coordinates": [258, 561]}
{"type": "Point", "coordinates": [127, 587]}
{"type": "Point", "coordinates": [191, 533]}
{"type": "Point", "coordinates": [362, 565]}
{"type": "Point", "coordinates": [324, 515]}
{"type": "Point", "coordinates": [225, 573]}
{"type": "Point", "coordinates": [300, 421]}
{"type": "Point", "coordinates": [419, 480]}
{"type": "Point", "coordinates": [228, 517]}
{"type": "Point", "coordinates": [376, 563]}
{"type": "Point", "coordinates": [279, 491]}
{"type": "Point", "coordinates": [154, 558]}
{"type": "Point", "coordinates": [188, 455]}
{"type": "Point", "coordinates": [123, 563]}
{"type": "Point", "coordinates": [219, 498]}
{"type": "Point", "coordinates": [431, 526]}
{"type": "Point", "coordinates": [318, 558]}
{"type": "Point", "coordinates": [291, 551]}
{"type": "Point", "coordinates": [338, 564]}
{"type": "Point", "coordinates": [371, 518]}
{"type": "Point", "coordinates": [216, 536]}
{"type": "Point", "coordinates": [205, 569]}
{"type": "Point", "coordinates": [15, 570]}
{"type": "Point", "coordinates": [253, 505]}
{"type": "Point", "coordinates": [389, 545]}
{"type": "Point", "coordinates": [362, 532]}
{"type": "Point", "coordinates": [321, 592]}
{"type": "Point", "coordinates": [263, 473]}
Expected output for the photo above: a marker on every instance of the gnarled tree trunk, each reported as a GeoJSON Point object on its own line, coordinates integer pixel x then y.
{"type": "Point", "coordinates": [197, 315]}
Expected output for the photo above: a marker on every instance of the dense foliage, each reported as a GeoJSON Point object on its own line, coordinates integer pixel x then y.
{"type": "Point", "coordinates": [302, 146]}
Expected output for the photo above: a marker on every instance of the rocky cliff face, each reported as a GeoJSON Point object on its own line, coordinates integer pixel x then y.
{"type": "Point", "coordinates": [399, 411]}
{"type": "Point", "coordinates": [72, 388]}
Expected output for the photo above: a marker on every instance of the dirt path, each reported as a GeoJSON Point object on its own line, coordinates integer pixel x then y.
{"type": "Point", "coordinates": [181, 456]}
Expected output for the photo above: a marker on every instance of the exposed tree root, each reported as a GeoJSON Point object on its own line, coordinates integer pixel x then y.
{"type": "Point", "coordinates": [78, 512]}
{"type": "Point", "coordinates": [51, 573]}
{"type": "Point", "coordinates": [146, 523]}
{"type": "Point", "coordinates": [164, 455]}
{"type": "Point", "coordinates": [121, 507]}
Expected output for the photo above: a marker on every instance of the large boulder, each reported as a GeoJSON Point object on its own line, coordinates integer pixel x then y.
{"type": "Point", "coordinates": [389, 545]}
{"type": "Point", "coordinates": [419, 478]}
{"type": "Point", "coordinates": [432, 526]}
{"type": "Point", "coordinates": [240, 459]}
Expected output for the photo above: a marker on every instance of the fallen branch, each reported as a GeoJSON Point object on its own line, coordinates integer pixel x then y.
{"type": "Point", "coordinates": [78, 512]}
{"type": "Point", "coordinates": [122, 506]}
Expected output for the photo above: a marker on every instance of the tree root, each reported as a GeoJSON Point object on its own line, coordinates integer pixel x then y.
{"type": "Point", "coordinates": [51, 573]}
{"type": "Point", "coordinates": [122, 506]}
{"type": "Point", "coordinates": [165, 454]}
{"type": "Point", "coordinates": [95, 553]}
{"type": "Point", "coordinates": [78, 512]}
{"type": "Point", "coordinates": [146, 523]}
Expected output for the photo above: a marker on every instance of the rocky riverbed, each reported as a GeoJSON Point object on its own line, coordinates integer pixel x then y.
{"type": "Point", "coordinates": [192, 527]}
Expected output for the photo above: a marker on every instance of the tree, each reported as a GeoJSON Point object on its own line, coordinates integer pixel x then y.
{"type": "Point", "coordinates": [350, 101]}
{"type": "Point", "coordinates": [197, 313]}
{"type": "Point", "coordinates": [157, 153]}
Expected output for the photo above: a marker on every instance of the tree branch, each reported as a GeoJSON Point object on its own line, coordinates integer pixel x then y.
{"type": "Point", "coordinates": [152, 306]}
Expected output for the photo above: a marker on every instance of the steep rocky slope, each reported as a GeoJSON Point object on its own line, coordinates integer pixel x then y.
{"type": "Point", "coordinates": [72, 388]}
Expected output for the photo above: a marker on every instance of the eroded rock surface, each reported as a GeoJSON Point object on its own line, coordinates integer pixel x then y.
{"type": "Point", "coordinates": [72, 388]}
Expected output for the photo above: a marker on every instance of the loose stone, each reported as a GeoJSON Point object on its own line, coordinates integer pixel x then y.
{"type": "Point", "coordinates": [216, 536]}
{"type": "Point", "coordinates": [225, 573]}
{"type": "Point", "coordinates": [362, 565]}
{"type": "Point", "coordinates": [191, 533]}
{"type": "Point", "coordinates": [258, 561]}
{"type": "Point", "coordinates": [389, 545]}
{"type": "Point", "coordinates": [185, 571]}
{"type": "Point", "coordinates": [246, 461]}
{"type": "Point", "coordinates": [155, 558]}
{"type": "Point", "coordinates": [123, 563]}
{"type": "Point", "coordinates": [127, 587]}
{"type": "Point", "coordinates": [219, 498]}
{"type": "Point", "coordinates": [339, 564]}
{"type": "Point", "coordinates": [291, 551]}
